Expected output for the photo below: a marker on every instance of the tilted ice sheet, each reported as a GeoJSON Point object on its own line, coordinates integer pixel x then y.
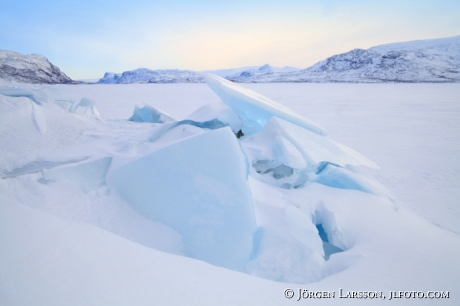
{"type": "Point", "coordinates": [296, 147]}
{"type": "Point", "coordinates": [253, 108]}
{"type": "Point", "coordinates": [199, 188]}
{"type": "Point", "coordinates": [288, 156]}
{"type": "Point", "coordinates": [317, 148]}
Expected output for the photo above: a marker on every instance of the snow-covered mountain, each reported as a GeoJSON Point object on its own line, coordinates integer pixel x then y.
{"type": "Point", "coordinates": [251, 71]}
{"type": "Point", "coordinates": [433, 61]}
{"type": "Point", "coordinates": [33, 68]}
{"type": "Point", "coordinates": [224, 73]}
{"type": "Point", "coordinates": [144, 75]}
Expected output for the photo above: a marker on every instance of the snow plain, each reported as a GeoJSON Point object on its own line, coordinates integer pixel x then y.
{"type": "Point", "coordinates": [74, 243]}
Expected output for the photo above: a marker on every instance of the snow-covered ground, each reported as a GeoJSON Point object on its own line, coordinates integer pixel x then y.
{"type": "Point", "coordinates": [77, 224]}
{"type": "Point", "coordinates": [410, 130]}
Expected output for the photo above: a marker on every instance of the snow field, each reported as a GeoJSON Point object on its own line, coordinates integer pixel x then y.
{"type": "Point", "coordinates": [282, 203]}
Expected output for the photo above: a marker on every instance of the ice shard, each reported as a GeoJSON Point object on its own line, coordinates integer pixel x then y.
{"type": "Point", "coordinates": [199, 188]}
{"type": "Point", "coordinates": [253, 109]}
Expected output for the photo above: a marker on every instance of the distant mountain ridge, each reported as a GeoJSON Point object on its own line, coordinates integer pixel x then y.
{"type": "Point", "coordinates": [420, 61]}
{"type": "Point", "coordinates": [144, 75]}
{"type": "Point", "coordinates": [260, 71]}
{"type": "Point", "coordinates": [33, 68]}
{"type": "Point", "coordinates": [431, 61]}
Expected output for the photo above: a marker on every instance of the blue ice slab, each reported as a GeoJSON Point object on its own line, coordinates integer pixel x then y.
{"type": "Point", "coordinates": [150, 114]}
{"type": "Point", "coordinates": [199, 188]}
{"type": "Point", "coordinates": [253, 109]}
{"type": "Point", "coordinates": [34, 95]}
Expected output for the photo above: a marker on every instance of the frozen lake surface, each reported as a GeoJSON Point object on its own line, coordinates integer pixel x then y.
{"type": "Point", "coordinates": [170, 208]}
{"type": "Point", "coordinates": [412, 131]}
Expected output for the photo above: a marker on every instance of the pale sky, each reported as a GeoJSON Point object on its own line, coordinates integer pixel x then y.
{"type": "Point", "coordinates": [86, 38]}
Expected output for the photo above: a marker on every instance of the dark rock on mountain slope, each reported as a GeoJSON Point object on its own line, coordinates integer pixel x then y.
{"type": "Point", "coordinates": [34, 68]}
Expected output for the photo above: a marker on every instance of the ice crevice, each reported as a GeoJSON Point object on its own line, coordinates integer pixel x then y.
{"type": "Point", "coordinates": [329, 230]}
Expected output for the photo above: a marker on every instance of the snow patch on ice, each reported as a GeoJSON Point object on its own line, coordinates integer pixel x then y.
{"type": "Point", "coordinates": [88, 175]}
